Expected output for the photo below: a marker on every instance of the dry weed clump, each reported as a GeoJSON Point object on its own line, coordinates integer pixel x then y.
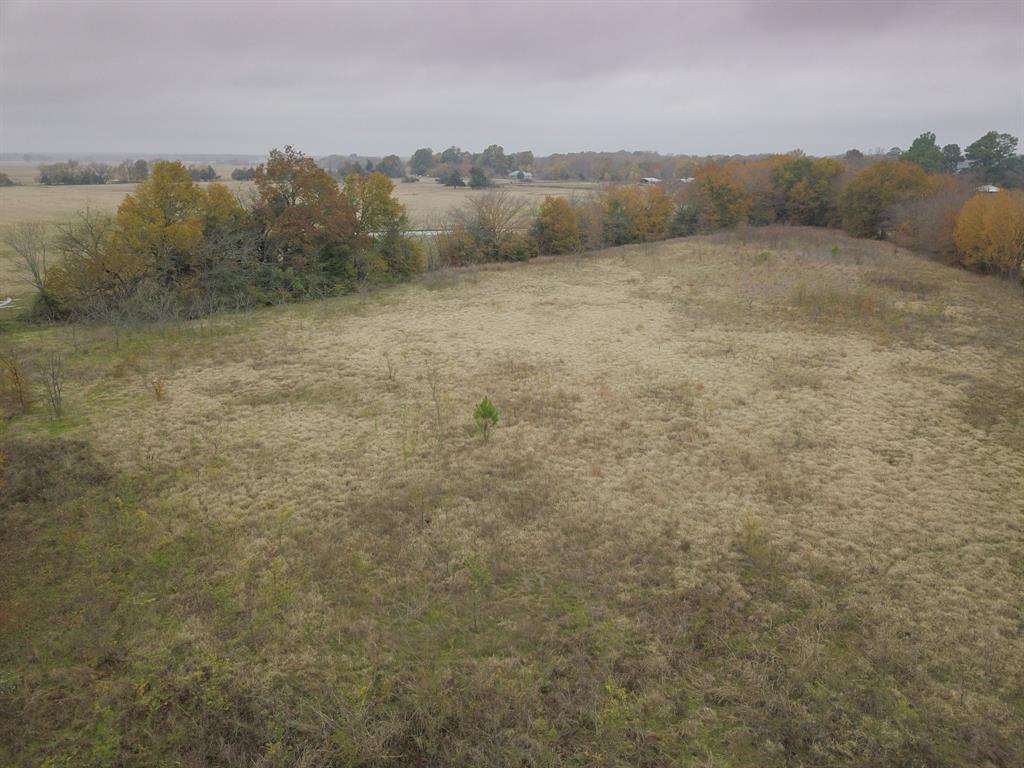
{"type": "Point", "coordinates": [16, 388]}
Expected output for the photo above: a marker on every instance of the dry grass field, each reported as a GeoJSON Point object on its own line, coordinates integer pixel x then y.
{"type": "Point", "coordinates": [754, 499]}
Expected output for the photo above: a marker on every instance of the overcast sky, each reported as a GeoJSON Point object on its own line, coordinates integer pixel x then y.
{"type": "Point", "coordinates": [695, 78]}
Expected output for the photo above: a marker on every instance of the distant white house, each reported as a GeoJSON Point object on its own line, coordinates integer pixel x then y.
{"type": "Point", "coordinates": [650, 180]}
{"type": "Point", "coordinates": [988, 188]}
{"type": "Point", "coordinates": [687, 180]}
{"type": "Point", "coordinates": [527, 176]}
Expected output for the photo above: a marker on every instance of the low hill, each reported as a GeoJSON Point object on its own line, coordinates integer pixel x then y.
{"type": "Point", "coordinates": [752, 499]}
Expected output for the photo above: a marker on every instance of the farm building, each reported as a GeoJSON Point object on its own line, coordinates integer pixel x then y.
{"type": "Point", "coordinates": [987, 188]}
{"type": "Point", "coordinates": [650, 180]}
{"type": "Point", "coordinates": [521, 175]}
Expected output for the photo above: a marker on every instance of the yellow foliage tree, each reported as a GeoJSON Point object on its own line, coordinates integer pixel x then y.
{"type": "Point", "coordinates": [723, 201]}
{"type": "Point", "coordinates": [989, 232]}
{"type": "Point", "coordinates": [556, 228]}
{"type": "Point", "coordinates": [163, 221]}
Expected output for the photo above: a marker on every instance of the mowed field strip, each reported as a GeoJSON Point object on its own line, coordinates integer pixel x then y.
{"type": "Point", "coordinates": [746, 490]}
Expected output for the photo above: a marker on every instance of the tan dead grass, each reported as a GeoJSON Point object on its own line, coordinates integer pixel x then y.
{"type": "Point", "coordinates": [659, 404]}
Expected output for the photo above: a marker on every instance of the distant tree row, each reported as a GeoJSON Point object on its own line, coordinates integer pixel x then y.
{"type": "Point", "coordinates": [73, 172]}
{"type": "Point", "coordinates": [202, 173]}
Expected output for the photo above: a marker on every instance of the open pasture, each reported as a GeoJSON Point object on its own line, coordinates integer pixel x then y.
{"type": "Point", "coordinates": [753, 499]}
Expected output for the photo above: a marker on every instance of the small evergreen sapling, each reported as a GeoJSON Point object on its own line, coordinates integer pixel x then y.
{"type": "Point", "coordinates": [485, 416]}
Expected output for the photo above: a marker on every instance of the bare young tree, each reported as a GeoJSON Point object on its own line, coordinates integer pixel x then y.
{"type": "Point", "coordinates": [494, 215]}
{"type": "Point", "coordinates": [53, 382]}
{"type": "Point", "coordinates": [29, 240]}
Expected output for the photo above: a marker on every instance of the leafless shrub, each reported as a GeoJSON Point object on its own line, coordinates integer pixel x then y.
{"type": "Point", "coordinates": [53, 383]}
{"type": "Point", "coordinates": [29, 240]}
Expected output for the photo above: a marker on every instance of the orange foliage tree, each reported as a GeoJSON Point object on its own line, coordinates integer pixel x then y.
{"type": "Point", "coordinates": [989, 232]}
{"type": "Point", "coordinates": [307, 223]}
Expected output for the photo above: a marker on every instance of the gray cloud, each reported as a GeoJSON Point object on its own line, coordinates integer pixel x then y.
{"type": "Point", "coordinates": [377, 78]}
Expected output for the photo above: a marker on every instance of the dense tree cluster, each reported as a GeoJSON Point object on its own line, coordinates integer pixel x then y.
{"type": "Point", "coordinates": [73, 172]}
{"type": "Point", "coordinates": [176, 249]}
{"type": "Point", "coordinates": [202, 173]}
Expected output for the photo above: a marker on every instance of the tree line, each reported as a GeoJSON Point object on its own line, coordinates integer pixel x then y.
{"type": "Point", "coordinates": [892, 198]}
{"type": "Point", "coordinates": [128, 171]}
{"type": "Point", "coordinates": [177, 249]}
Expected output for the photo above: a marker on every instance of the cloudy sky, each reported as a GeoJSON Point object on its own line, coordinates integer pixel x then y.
{"type": "Point", "coordinates": [375, 78]}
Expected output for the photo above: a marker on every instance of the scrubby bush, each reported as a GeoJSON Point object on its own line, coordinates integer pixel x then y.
{"type": "Point", "coordinates": [635, 214]}
{"type": "Point", "coordinates": [927, 224]}
{"type": "Point", "coordinates": [556, 228]}
{"type": "Point", "coordinates": [478, 178]}
{"type": "Point", "coordinates": [685, 221]}
{"type": "Point", "coordinates": [489, 227]}
{"type": "Point", "coordinates": [243, 174]}
{"type": "Point", "coordinates": [5, 180]}
{"type": "Point", "coordinates": [451, 178]}
{"type": "Point", "coordinates": [989, 232]}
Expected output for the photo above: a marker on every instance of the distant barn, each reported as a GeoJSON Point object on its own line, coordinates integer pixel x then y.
{"type": "Point", "coordinates": [650, 180]}
{"type": "Point", "coordinates": [988, 188]}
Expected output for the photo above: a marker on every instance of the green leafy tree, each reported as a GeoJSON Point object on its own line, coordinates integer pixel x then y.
{"type": "Point", "coordinates": [951, 157]}
{"type": "Point", "coordinates": [451, 178]}
{"type": "Point", "coordinates": [493, 159]}
{"type": "Point", "coordinates": [926, 153]}
{"type": "Point", "coordinates": [993, 155]}
{"type": "Point", "coordinates": [805, 189]}
{"type": "Point", "coordinates": [478, 178]}
{"type": "Point", "coordinates": [451, 156]}
{"type": "Point", "coordinates": [392, 167]}
{"type": "Point", "coordinates": [422, 161]}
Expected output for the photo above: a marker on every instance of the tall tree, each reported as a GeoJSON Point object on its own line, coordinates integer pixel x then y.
{"type": "Point", "coordinates": [478, 178]}
{"type": "Point", "coordinates": [422, 161]}
{"type": "Point", "coordinates": [926, 153]}
{"type": "Point", "coordinates": [452, 156]}
{"type": "Point", "coordinates": [493, 159]}
{"type": "Point", "coordinates": [392, 167]}
{"type": "Point", "coordinates": [993, 154]}
{"type": "Point", "coordinates": [951, 157]}
{"type": "Point", "coordinates": [306, 221]}
{"type": "Point", "coordinates": [866, 201]}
